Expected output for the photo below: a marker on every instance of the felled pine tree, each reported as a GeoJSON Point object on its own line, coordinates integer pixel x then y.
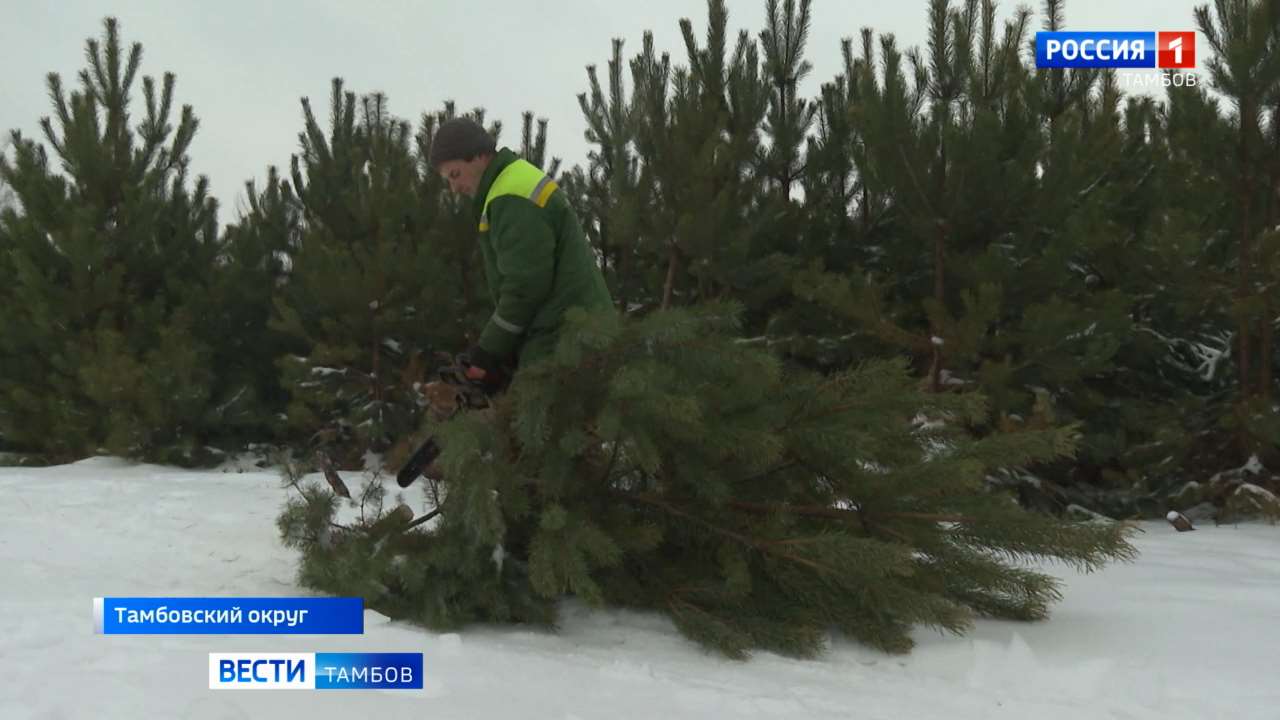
{"type": "Point", "coordinates": [661, 464]}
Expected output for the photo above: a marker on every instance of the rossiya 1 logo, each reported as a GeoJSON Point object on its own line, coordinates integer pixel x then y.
{"type": "Point", "coordinates": [1176, 49]}
{"type": "Point", "coordinates": [1116, 49]}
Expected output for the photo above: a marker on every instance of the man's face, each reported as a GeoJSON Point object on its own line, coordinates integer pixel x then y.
{"type": "Point", "coordinates": [463, 176]}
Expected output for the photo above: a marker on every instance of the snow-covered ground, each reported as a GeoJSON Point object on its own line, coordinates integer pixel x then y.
{"type": "Point", "coordinates": [1190, 630]}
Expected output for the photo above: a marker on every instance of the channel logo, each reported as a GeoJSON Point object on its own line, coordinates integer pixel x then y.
{"type": "Point", "coordinates": [315, 671]}
{"type": "Point", "coordinates": [1116, 49]}
{"type": "Point", "coordinates": [1176, 49]}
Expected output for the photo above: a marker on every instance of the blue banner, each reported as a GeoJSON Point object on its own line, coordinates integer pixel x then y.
{"type": "Point", "coordinates": [1095, 49]}
{"type": "Point", "coordinates": [368, 671]}
{"type": "Point", "coordinates": [228, 616]}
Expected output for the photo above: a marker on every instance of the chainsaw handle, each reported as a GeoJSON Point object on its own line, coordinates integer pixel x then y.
{"type": "Point", "coordinates": [475, 392]}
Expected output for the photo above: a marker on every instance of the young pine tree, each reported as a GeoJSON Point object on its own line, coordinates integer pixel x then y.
{"type": "Point", "coordinates": [367, 297]}
{"type": "Point", "coordinates": [105, 340]}
{"type": "Point", "coordinates": [608, 194]}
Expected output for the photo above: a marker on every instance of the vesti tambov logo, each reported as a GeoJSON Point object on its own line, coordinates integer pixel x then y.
{"type": "Point", "coordinates": [315, 671]}
{"type": "Point", "coordinates": [1115, 49]}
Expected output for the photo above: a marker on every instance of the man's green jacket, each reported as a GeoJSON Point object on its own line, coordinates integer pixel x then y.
{"type": "Point", "coordinates": [536, 259]}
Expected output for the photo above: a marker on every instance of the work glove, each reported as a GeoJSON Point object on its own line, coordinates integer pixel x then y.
{"type": "Point", "coordinates": [485, 368]}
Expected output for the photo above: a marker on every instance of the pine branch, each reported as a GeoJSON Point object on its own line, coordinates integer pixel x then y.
{"type": "Point", "coordinates": [764, 546]}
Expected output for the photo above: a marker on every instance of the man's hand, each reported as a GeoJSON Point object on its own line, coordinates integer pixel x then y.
{"type": "Point", "coordinates": [485, 369]}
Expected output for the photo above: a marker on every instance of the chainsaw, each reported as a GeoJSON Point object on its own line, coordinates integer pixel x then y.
{"type": "Point", "coordinates": [451, 394]}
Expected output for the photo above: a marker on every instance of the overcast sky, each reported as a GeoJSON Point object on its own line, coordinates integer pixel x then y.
{"type": "Point", "coordinates": [244, 64]}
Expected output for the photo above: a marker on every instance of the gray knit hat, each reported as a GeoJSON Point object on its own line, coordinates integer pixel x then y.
{"type": "Point", "coordinates": [459, 139]}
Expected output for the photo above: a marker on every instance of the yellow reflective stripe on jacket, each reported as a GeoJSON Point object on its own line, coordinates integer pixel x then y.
{"type": "Point", "coordinates": [521, 178]}
{"type": "Point", "coordinates": [541, 192]}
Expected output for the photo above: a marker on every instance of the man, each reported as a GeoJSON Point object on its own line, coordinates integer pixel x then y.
{"type": "Point", "coordinates": [536, 258]}
{"type": "Point", "coordinates": [536, 261]}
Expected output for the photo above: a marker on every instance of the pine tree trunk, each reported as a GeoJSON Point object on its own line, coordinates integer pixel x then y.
{"type": "Point", "coordinates": [866, 209]}
{"type": "Point", "coordinates": [939, 295]}
{"type": "Point", "coordinates": [1268, 335]}
{"type": "Point", "coordinates": [784, 186]}
{"type": "Point", "coordinates": [624, 274]}
{"type": "Point", "coordinates": [1268, 314]}
{"type": "Point", "coordinates": [377, 352]}
{"type": "Point", "coordinates": [672, 261]}
{"type": "Point", "coordinates": [604, 245]}
{"type": "Point", "coordinates": [1246, 255]}
{"type": "Point", "coordinates": [939, 265]}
